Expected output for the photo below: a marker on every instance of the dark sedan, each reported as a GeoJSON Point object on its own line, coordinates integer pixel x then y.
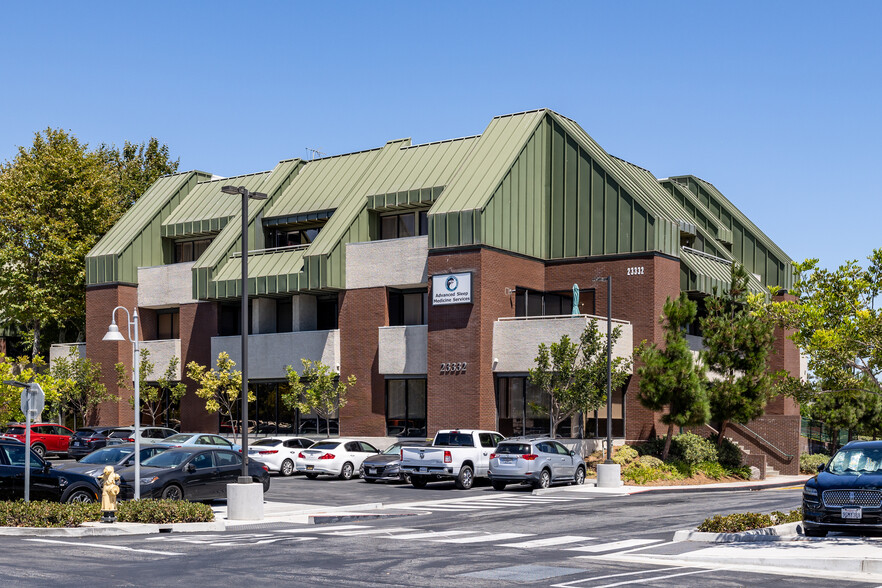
{"type": "Point", "coordinates": [118, 456]}
{"type": "Point", "coordinates": [384, 466]}
{"type": "Point", "coordinates": [85, 440]}
{"type": "Point", "coordinates": [191, 473]}
{"type": "Point", "coordinates": [846, 495]}
{"type": "Point", "coordinates": [47, 483]}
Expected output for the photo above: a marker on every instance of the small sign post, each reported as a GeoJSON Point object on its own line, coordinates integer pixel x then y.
{"type": "Point", "coordinates": [32, 402]}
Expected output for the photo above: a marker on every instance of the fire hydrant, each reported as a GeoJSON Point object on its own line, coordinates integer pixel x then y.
{"type": "Point", "coordinates": [109, 490]}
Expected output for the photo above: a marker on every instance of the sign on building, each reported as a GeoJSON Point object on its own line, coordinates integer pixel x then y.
{"type": "Point", "coordinates": [452, 289]}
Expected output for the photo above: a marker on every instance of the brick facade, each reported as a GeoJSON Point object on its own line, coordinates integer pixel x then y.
{"type": "Point", "coordinates": [198, 323]}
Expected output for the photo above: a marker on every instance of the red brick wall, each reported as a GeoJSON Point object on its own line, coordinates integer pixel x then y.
{"type": "Point", "coordinates": [100, 302]}
{"type": "Point", "coordinates": [198, 323]}
{"type": "Point", "coordinates": [784, 356]}
{"type": "Point", "coordinates": [781, 431]}
{"type": "Point", "coordinates": [362, 312]}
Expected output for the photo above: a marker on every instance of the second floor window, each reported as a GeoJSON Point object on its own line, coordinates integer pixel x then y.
{"type": "Point", "coordinates": [190, 250]}
{"type": "Point", "coordinates": [408, 308]}
{"type": "Point", "coordinates": [276, 238]}
{"type": "Point", "coordinates": [407, 224]}
{"type": "Point", "coordinates": [167, 324]}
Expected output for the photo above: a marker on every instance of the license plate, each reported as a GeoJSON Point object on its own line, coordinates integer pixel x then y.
{"type": "Point", "coordinates": [852, 513]}
{"type": "Point", "coordinates": [75, 443]}
{"type": "Point", "coordinates": [372, 471]}
{"type": "Point", "coordinates": [423, 470]}
{"type": "Point", "coordinates": [506, 460]}
{"type": "Point", "coordinates": [309, 467]}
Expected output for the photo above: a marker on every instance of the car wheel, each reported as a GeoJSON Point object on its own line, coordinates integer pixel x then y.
{"type": "Point", "coordinates": [39, 450]}
{"type": "Point", "coordinates": [814, 532]}
{"type": "Point", "coordinates": [405, 478]}
{"type": "Point", "coordinates": [81, 495]}
{"type": "Point", "coordinates": [265, 484]}
{"type": "Point", "coordinates": [579, 478]}
{"type": "Point", "coordinates": [497, 485]}
{"type": "Point", "coordinates": [311, 475]}
{"type": "Point", "coordinates": [346, 471]}
{"type": "Point", "coordinates": [287, 468]}
{"type": "Point", "coordinates": [418, 481]}
{"type": "Point", "coordinates": [466, 478]}
{"type": "Point", "coordinates": [544, 480]}
{"type": "Point", "coordinates": [172, 492]}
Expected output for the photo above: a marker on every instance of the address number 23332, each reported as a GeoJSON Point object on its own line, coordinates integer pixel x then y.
{"type": "Point", "coordinates": [458, 367]}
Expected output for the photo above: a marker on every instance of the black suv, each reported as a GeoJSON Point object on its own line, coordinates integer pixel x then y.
{"type": "Point", "coordinates": [846, 495]}
{"type": "Point", "coordinates": [46, 483]}
{"type": "Point", "coordinates": [87, 439]}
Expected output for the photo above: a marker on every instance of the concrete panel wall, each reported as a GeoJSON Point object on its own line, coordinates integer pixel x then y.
{"type": "Point", "coordinates": [269, 354]}
{"type": "Point", "coordinates": [161, 352]}
{"type": "Point", "coordinates": [393, 262]}
{"type": "Point", "coordinates": [165, 285]}
{"type": "Point", "coordinates": [403, 349]}
{"type": "Point", "coordinates": [516, 341]}
{"type": "Point", "coordinates": [63, 350]}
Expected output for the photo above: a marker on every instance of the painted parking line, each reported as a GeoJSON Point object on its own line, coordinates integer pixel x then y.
{"type": "Point", "coordinates": [322, 529]}
{"type": "Point", "coordinates": [624, 544]}
{"type": "Point", "coordinates": [105, 546]}
{"type": "Point", "coordinates": [358, 532]}
{"type": "Point", "coordinates": [572, 583]}
{"type": "Point", "coordinates": [548, 541]}
{"type": "Point", "coordinates": [483, 538]}
{"type": "Point", "coordinates": [433, 534]}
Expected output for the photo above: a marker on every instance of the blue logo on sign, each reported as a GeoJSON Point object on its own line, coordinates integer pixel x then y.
{"type": "Point", "coordinates": [451, 283]}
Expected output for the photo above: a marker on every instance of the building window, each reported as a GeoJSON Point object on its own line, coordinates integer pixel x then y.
{"type": "Point", "coordinates": [168, 324]}
{"type": "Point", "coordinates": [535, 303]}
{"type": "Point", "coordinates": [408, 307]}
{"type": "Point", "coordinates": [522, 409]}
{"type": "Point", "coordinates": [326, 313]}
{"type": "Point", "coordinates": [406, 407]}
{"type": "Point", "coordinates": [284, 315]}
{"type": "Point", "coordinates": [287, 237]}
{"type": "Point", "coordinates": [190, 250]}
{"type": "Point", "coordinates": [230, 320]}
{"type": "Point", "coordinates": [407, 224]}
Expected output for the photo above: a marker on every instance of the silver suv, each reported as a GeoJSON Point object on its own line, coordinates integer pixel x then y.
{"type": "Point", "coordinates": [537, 461]}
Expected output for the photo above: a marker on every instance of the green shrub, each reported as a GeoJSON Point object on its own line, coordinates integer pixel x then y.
{"type": "Point", "coordinates": [808, 463]}
{"type": "Point", "coordinates": [53, 514]}
{"type": "Point", "coordinates": [742, 472]}
{"type": "Point", "coordinates": [652, 447]}
{"type": "Point", "coordinates": [729, 455]}
{"type": "Point", "coordinates": [693, 449]}
{"type": "Point", "coordinates": [642, 474]}
{"type": "Point", "coordinates": [711, 469]}
{"type": "Point", "coordinates": [164, 511]}
{"type": "Point", "coordinates": [748, 521]}
{"type": "Point", "coordinates": [624, 455]}
{"type": "Point", "coordinates": [648, 461]}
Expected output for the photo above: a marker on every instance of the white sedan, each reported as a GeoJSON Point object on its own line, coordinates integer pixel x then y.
{"type": "Point", "coordinates": [337, 457]}
{"type": "Point", "coordinates": [278, 453]}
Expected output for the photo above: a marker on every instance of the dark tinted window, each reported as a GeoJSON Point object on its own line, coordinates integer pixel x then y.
{"type": "Point", "coordinates": [266, 442]}
{"type": "Point", "coordinates": [15, 455]}
{"type": "Point", "coordinates": [513, 448]}
{"type": "Point", "coordinates": [367, 447]}
{"type": "Point", "coordinates": [16, 431]}
{"type": "Point", "coordinates": [108, 455]}
{"type": "Point", "coordinates": [225, 458]}
{"type": "Point", "coordinates": [203, 461]}
{"type": "Point", "coordinates": [326, 445]}
{"type": "Point", "coordinates": [454, 439]}
{"type": "Point", "coordinates": [168, 324]}
{"type": "Point", "coordinates": [326, 314]}
{"type": "Point", "coordinates": [168, 459]}
{"type": "Point", "coordinates": [486, 440]}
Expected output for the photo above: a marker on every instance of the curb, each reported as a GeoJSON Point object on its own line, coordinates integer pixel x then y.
{"type": "Point", "coordinates": [629, 490]}
{"type": "Point", "coordinates": [93, 529]}
{"type": "Point", "coordinates": [777, 533]}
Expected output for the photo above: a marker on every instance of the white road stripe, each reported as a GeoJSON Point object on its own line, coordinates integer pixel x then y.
{"type": "Point", "coordinates": [433, 534]}
{"type": "Point", "coordinates": [657, 578]}
{"type": "Point", "coordinates": [103, 546]}
{"type": "Point", "coordinates": [460, 507]}
{"type": "Point", "coordinates": [483, 538]}
{"type": "Point", "coordinates": [623, 574]}
{"type": "Point", "coordinates": [562, 540]}
{"type": "Point", "coordinates": [321, 528]}
{"type": "Point", "coordinates": [358, 532]}
{"type": "Point", "coordinates": [614, 545]}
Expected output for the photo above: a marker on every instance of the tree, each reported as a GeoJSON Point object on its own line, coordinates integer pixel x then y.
{"type": "Point", "coordinates": [79, 384]}
{"type": "Point", "coordinates": [737, 345]}
{"type": "Point", "coordinates": [574, 375]}
{"type": "Point", "coordinates": [155, 400]}
{"type": "Point", "coordinates": [317, 389]}
{"type": "Point", "coordinates": [219, 388]}
{"type": "Point", "coordinates": [57, 198]}
{"type": "Point", "coordinates": [669, 377]}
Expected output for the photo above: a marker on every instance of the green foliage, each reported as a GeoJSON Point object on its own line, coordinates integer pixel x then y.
{"type": "Point", "coordinates": [153, 397]}
{"type": "Point", "coordinates": [23, 370]}
{"type": "Point", "coordinates": [624, 455]}
{"type": "Point", "coordinates": [669, 378]}
{"type": "Point", "coordinates": [219, 388]}
{"type": "Point", "coordinates": [729, 455]}
{"type": "Point", "coordinates": [737, 346]}
{"type": "Point", "coordinates": [79, 383]}
{"type": "Point", "coordinates": [809, 462]}
{"type": "Point", "coordinates": [652, 447]}
{"type": "Point", "coordinates": [136, 166]}
{"type": "Point", "coordinates": [163, 512]}
{"type": "Point", "coordinates": [637, 473]}
{"type": "Point", "coordinates": [649, 461]}
{"type": "Point", "coordinates": [574, 375]}
{"type": "Point", "coordinates": [711, 469]}
{"type": "Point", "coordinates": [693, 449]}
{"type": "Point", "coordinates": [748, 521]}
{"type": "Point", "coordinates": [53, 514]}
{"type": "Point", "coordinates": [317, 390]}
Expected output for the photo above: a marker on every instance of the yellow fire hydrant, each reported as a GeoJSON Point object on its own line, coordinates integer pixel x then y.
{"type": "Point", "coordinates": [109, 490]}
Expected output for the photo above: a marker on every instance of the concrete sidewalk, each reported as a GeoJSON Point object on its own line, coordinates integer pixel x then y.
{"type": "Point", "coordinates": [590, 487]}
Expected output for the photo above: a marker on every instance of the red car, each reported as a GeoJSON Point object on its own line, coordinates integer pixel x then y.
{"type": "Point", "coordinates": [45, 437]}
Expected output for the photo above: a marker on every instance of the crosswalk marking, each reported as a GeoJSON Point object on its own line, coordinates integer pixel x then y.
{"type": "Point", "coordinates": [104, 546]}
{"type": "Point", "coordinates": [357, 532]}
{"type": "Point", "coordinates": [431, 534]}
{"type": "Point", "coordinates": [613, 545]}
{"type": "Point", "coordinates": [483, 538]}
{"type": "Point", "coordinates": [321, 529]}
{"type": "Point", "coordinates": [548, 541]}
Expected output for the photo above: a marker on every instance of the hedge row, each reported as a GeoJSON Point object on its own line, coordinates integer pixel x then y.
{"type": "Point", "coordinates": [690, 455]}
{"type": "Point", "coordinates": [54, 514]}
{"type": "Point", "coordinates": [748, 521]}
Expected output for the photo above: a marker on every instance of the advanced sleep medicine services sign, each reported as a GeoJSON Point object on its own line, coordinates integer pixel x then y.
{"type": "Point", "coordinates": [452, 289]}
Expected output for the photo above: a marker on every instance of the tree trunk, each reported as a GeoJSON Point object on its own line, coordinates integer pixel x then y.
{"type": "Point", "coordinates": [327, 426]}
{"type": "Point", "coordinates": [723, 426]}
{"type": "Point", "coordinates": [35, 349]}
{"type": "Point", "coordinates": [668, 442]}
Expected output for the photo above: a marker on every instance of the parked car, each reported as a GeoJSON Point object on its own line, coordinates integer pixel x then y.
{"type": "Point", "coordinates": [206, 440]}
{"type": "Point", "coordinates": [118, 456]}
{"type": "Point", "coordinates": [148, 435]}
{"type": "Point", "coordinates": [539, 462]}
{"type": "Point", "coordinates": [46, 438]}
{"type": "Point", "coordinates": [846, 494]}
{"type": "Point", "coordinates": [190, 473]}
{"type": "Point", "coordinates": [460, 455]}
{"type": "Point", "coordinates": [385, 465]}
{"type": "Point", "coordinates": [47, 483]}
{"type": "Point", "coordinates": [279, 453]}
{"type": "Point", "coordinates": [85, 440]}
{"type": "Point", "coordinates": [337, 457]}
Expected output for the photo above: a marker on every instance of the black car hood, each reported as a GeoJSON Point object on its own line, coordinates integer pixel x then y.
{"type": "Point", "coordinates": [82, 468]}
{"type": "Point", "coordinates": [829, 481]}
{"type": "Point", "coordinates": [381, 459]}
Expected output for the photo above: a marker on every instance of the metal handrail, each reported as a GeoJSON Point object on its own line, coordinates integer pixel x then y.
{"type": "Point", "coordinates": [761, 438]}
{"type": "Point", "coordinates": [560, 316]}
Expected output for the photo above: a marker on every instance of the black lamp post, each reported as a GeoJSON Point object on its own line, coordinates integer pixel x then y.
{"type": "Point", "coordinates": [608, 280]}
{"type": "Point", "coordinates": [244, 478]}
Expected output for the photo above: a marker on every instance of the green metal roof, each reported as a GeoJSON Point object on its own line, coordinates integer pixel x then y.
{"type": "Point", "coordinates": [206, 210]}
{"type": "Point", "coordinates": [270, 272]}
{"type": "Point", "coordinates": [709, 274]}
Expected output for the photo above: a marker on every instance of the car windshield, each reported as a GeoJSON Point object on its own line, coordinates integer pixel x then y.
{"type": "Point", "coordinates": [168, 459]}
{"type": "Point", "coordinates": [396, 448]}
{"type": "Point", "coordinates": [325, 445]}
{"type": "Point", "coordinates": [84, 432]}
{"type": "Point", "coordinates": [857, 460]}
{"type": "Point", "coordinates": [264, 442]}
{"type": "Point", "coordinates": [177, 438]}
{"type": "Point", "coordinates": [108, 455]}
{"type": "Point", "coordinates": [513, 448]}
{"type": "Point", "coordinates": [454, 439]}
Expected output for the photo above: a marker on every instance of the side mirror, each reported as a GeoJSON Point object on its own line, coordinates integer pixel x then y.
{"type": "Point", "coordinates": [191, 468]}
{"type": "Point", "coordinates": [572, 453]}
{"type": "Point", "coordinates": [821, 467]}
{"type": "Point", "coordinates": [46, 467]}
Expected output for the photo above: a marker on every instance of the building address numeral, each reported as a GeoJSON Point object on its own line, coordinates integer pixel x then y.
{"type": "Point", "coordinates": [636, 271]}
{"type": "Point", "coordinates": [458, 367]}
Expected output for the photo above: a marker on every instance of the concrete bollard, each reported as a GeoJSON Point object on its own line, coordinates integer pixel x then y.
{"type": "Point", "coordinates": [609, 475]}
{"type": "Point", "coordinates": [245, 502]}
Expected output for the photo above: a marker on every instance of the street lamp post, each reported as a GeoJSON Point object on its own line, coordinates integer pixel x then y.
{"type": "Point", "coordinates": [246, 194]}
{"type": "Point", "coordinates": [113, 334]}
{"type": "Point", "coordinates": [611, 471]}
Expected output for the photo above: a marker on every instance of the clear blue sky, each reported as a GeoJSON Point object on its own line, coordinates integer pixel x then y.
{"type": "Point", "coordinates": [776, 103]}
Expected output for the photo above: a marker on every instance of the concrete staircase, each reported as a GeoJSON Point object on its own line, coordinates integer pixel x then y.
{"type": "Point", "coordinates": [770, 471]}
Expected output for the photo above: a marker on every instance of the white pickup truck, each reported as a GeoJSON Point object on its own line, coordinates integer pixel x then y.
{"type": "Point", "coordinates": [461, 455]}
